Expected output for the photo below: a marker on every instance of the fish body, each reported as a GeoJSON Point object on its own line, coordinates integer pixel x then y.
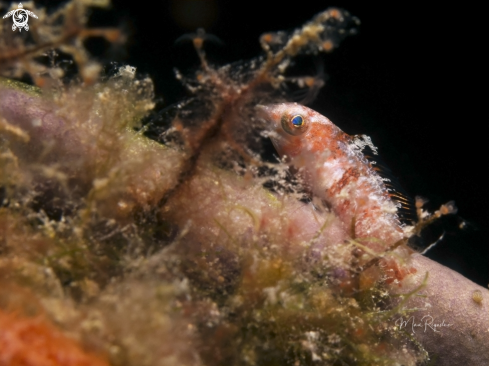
{"type": "Point", "coordinates": [335, 170]}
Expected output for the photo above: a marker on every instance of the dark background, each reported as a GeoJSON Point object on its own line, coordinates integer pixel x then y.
{"type": "Point", "coordinates": [413, 79]}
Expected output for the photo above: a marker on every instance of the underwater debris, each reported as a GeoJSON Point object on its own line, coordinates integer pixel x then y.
{"type": "Point", "coordinates": [172, 251]}
{"type": "Point", "coordinates": [477, 296]}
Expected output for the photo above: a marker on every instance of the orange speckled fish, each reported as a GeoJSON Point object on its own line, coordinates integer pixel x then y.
{"type": "Point", "coordinates": [334, 167]}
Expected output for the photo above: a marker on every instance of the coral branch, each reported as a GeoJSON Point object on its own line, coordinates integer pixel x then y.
{"type": "Point", "coordinates": [447, 300]}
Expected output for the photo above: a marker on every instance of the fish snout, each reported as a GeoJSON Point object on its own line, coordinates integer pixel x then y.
{"type": "Point", "coordinates": [269, 114]}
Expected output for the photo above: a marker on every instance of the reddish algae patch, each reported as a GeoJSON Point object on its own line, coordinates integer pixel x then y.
{"type": "Point", "coordinates": [34, 342]}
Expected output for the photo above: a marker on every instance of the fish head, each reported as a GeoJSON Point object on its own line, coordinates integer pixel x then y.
{"type": "Point", "coordinates": [296, 130]}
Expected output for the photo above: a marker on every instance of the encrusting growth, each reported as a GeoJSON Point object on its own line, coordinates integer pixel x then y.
{"type": "Point", "coordinates": [190, 248]}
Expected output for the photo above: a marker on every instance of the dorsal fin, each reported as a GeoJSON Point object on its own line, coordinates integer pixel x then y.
{"type": "Point", "coordinates": [407, 209]}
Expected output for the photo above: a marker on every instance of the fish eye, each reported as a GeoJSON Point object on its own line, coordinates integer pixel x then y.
{"type": "Point", "coordinates": [297, 121]}
{"type": "Point", "coordinates": [294, 125]}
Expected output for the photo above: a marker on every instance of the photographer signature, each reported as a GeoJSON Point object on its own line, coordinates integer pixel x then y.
{"type": "Point", "coordinates": [426, 322]}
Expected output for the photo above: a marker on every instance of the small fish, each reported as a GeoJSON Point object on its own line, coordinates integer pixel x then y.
{"type": "Point", "coordinates": [336, 170]}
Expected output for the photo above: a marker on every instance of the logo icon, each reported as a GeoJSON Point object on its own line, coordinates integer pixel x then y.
{"type": "Point", "coordinates": [20, 17]}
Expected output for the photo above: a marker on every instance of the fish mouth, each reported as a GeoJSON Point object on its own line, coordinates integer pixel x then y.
{"type": "Point", "coordinates": [263, 111]}
{"type": "Point", "coordinates": [274, 130]}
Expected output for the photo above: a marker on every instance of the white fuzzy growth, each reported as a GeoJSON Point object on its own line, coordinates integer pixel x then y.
{"type": "Point", "coordinates": [127, 72]}
{"type": "Point", "coordinates": [369, 187]}
{"type": "Point", "coordinates": [334, 170]}
{"type": "Point", "coordinates": [361, 141]}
